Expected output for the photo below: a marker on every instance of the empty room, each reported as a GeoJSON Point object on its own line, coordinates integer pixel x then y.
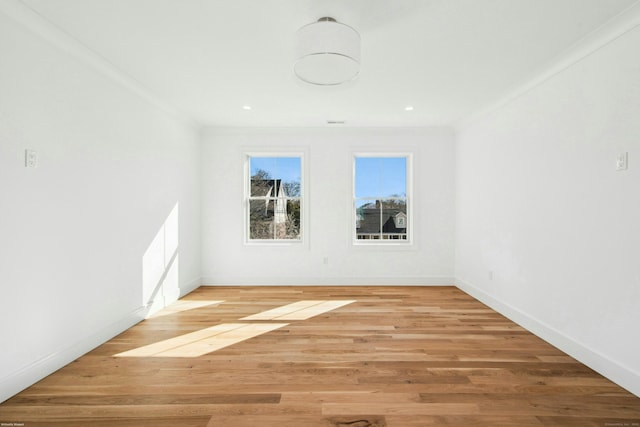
{"type": "Point", "coordinates": [324, 213]}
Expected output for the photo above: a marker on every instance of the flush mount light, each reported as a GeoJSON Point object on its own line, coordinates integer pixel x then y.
{"type": "Point", "coordinates": [246, 107]}
{"type": "Point", "coordinates": [408, 108]}
{"type": "Point", "coordinates": [327, 53]}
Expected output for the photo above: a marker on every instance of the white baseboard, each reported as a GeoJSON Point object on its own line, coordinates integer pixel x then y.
{"type": "Point", "coordinates": [17, 381]}
{"type": "Point", "coordinates": [621, 375]}
{"type": "Point", "coordinates": [190, 286]}
{"type": "Point", "coordinates": [328, 281]}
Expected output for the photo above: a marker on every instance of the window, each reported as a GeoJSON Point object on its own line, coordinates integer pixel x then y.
{"type": "Point", "coordinates": [273, 198]}
{"type": "Point", "coordinates": [381, 199]}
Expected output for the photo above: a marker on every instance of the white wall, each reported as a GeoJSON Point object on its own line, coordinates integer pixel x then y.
{"type": "Point", "coordinates": [73, 232]}
{"type": "Point", "coordinates": [541, 205]}
{"type": "Point", "coordinates": [227, 260]}
{"type": "Point", "coordinates": [113, 208]}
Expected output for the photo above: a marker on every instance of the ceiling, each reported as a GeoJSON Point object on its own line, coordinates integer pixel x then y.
{"type": "Point", "coordinates": [445, 58]}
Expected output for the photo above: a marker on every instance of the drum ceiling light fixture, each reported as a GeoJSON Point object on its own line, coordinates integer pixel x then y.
{"type": "Point", "coordinates": [327, 53]}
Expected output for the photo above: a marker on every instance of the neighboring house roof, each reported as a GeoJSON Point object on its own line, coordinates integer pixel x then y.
{"type": "Point", "coordinates": [369, 220]}
{"type": "Point", "coordinates": [267, 188]}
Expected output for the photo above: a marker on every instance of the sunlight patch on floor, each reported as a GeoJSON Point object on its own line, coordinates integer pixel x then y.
{"type": "Point", "coordinates": [184, 305]}
{"type": "Point", "coordinates": [301, 310]}
{"type": "Point", "coordinates": [208, 340]}
{"type": "Point", "coordinates": [204, 341]}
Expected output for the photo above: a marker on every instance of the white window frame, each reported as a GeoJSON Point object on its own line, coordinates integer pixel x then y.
{"type": "Point", "coordinates": [408, 156]}
{"type": "Point", "coordinates": [304, 226]}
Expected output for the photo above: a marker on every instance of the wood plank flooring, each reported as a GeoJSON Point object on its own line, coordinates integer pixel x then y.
{"type": "Point", "coordinates": [385, 357]}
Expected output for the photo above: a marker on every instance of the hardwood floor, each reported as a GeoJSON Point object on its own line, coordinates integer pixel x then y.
{"type": "Point", "coordinates": [381, 356]}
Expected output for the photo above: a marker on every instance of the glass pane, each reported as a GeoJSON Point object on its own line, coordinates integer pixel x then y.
{"type": "Point", "coordinates": [292, 221]}
{"type": "Point", "coordinates": [262, 176]}
{"type": "Point", "coordinates": [275, 176]}
{"type": "Point", "coordinates": [288, 171]}
{"type": "Point", "coordinates": [262, 167]}
{"type": "Point", "coordinates": [262, 187]}
{"type": "Point", "coordinates": [277, 179]}
{"type": "Point", "coordinates": [261, 219]}
{"type": "Point", "coordinates": [393, 177]}
{"type": "Point", "coordinates": [380, 177]}
{"type": "Point", "coordinates": [367, 176]}
{"type": "Point", "coordinates": [394, 219]}
{"type": "Point", "coordinates": [367, 219]}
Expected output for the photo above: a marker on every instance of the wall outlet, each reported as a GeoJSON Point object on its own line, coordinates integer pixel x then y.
{"type": "Point", "coordinates": [622, 161]}
{"type": "Point", "coordinates": [30, 158]}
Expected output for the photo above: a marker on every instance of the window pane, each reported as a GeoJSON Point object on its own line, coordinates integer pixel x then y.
{"type": "Point", "coordinates": [262, 187]}
{"type": "Point", "coordinates": [394, 219]}
{"type": "Point", "coordinates": [380, 177]}
{"type": "Point", "coordinates": [274, 219]}
{"type": "Point", "coordinates": [380, 186]}
{"type": "Point", "coordinates": [274, 199]}
{"type": "Point", "coordinates": [367, 176]}
{"type": "Point", "coordinates": [367, 219]}
{"type": "Point", "coordinates": [270, 175]}
{"type": "Point", "coordinates": [261, 219]}
{"type": "Point", "coordinates": [393, 177]}
{"type": "Point", "coordinates": [288, 171]}
{"type": "Point", "coordinates": [262, 167]}
{"type": "Point", "coordinates": [262, 176]}
{"type": "Point", "coordinates": [292, 223]}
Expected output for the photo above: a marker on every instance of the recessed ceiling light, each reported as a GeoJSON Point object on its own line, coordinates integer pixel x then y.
{"type": "Point", "coordinates": [408, 108]}
{"type": "Point", "coordinates": [246, 107]}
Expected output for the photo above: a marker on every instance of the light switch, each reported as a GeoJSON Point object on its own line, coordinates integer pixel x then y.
{"type": "Point", "coordinates": [622, 161]}
{"type": "Point", "coordinates": [30, 158]}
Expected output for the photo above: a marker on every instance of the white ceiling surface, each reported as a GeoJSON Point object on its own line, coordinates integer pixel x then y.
{"type": "Point", "coordinates": [446, 58]}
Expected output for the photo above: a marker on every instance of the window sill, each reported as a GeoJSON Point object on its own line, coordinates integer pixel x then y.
{"type": "Point", "coordinates": [275, 243]}
{"type": "Point", "coordinates": [384, 246]}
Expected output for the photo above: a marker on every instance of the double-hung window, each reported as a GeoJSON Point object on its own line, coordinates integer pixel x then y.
{"type": "Point", "coordinates": [381, 190]}
{"type": "Point", "coordinates": [273, 198]}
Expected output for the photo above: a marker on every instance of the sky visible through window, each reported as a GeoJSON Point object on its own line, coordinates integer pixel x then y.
{"type": "Point", "coordinates": [381, 177]}
{"type": "Point", "coordinates": [285, 168]}
{"type": "Point", "coordinates": [378, 177]}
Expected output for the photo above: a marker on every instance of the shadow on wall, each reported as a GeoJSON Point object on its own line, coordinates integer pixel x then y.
{"type": "Point", "coordinates": [160, 266]}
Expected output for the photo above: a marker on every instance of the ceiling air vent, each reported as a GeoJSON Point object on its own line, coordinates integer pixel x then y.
{"type": "Point", "coordinates": [335, 122]}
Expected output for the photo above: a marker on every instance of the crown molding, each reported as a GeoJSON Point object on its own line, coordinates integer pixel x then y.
{"type": "Point", "coordinates": [616, 27]}
{"type": "Point", "coordinates": [62, 40]}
